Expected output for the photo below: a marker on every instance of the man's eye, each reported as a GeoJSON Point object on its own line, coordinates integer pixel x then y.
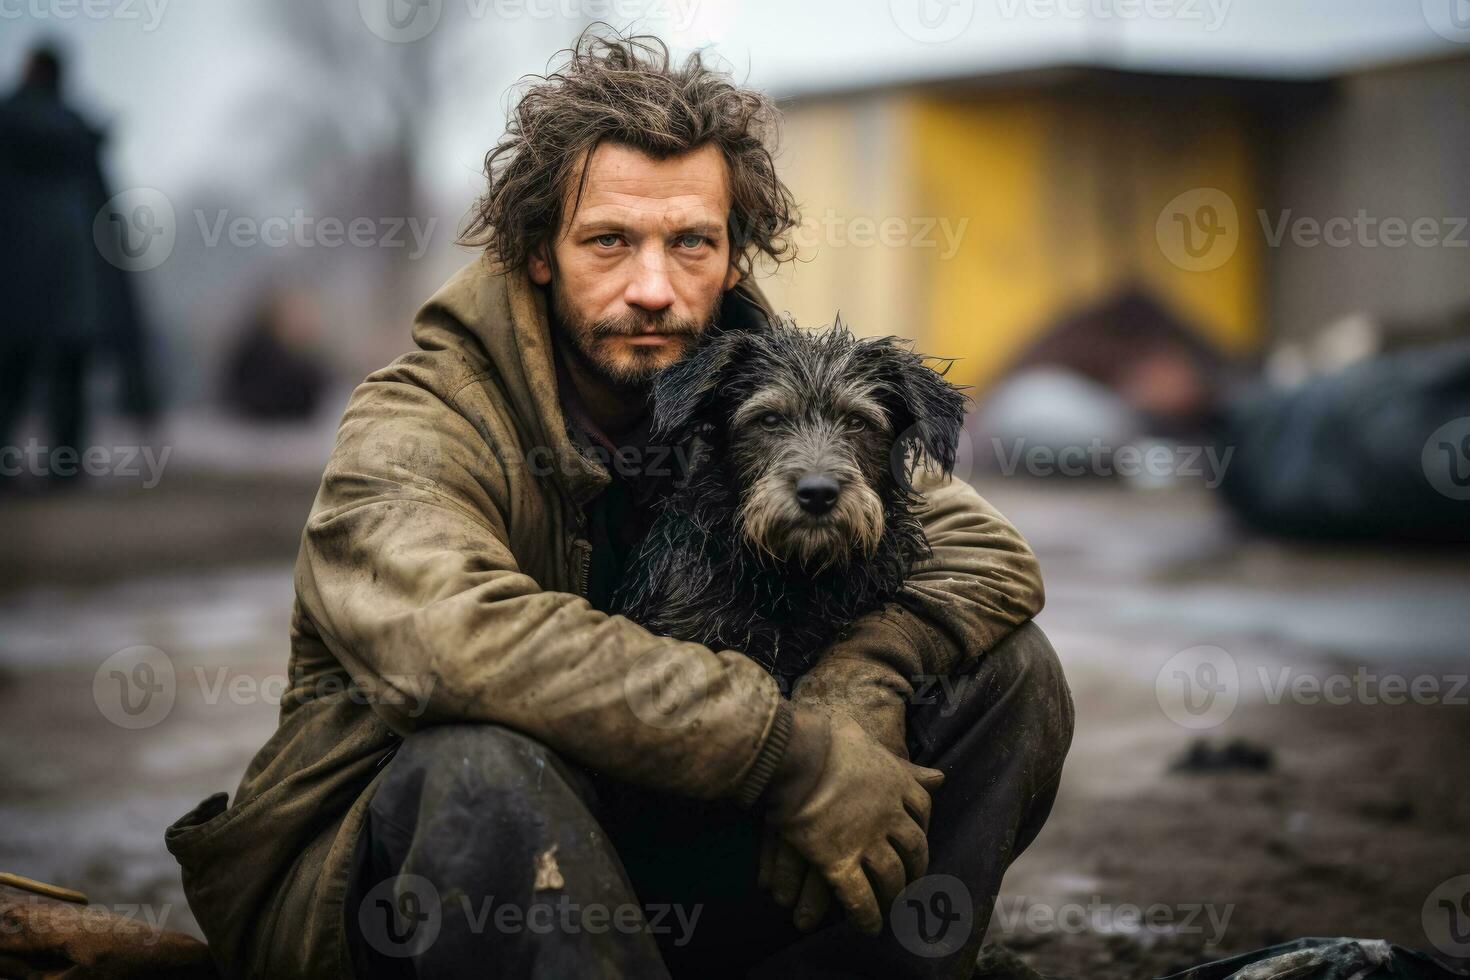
{"type": "Point", "coordinates": [690, 241]}
{"type": "Point", "coordinates": [770, 421]}
{"type": "Point", "coordinates": [608, 240]}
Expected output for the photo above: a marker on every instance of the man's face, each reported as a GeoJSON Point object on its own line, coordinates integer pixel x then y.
{"type": "Point", "coordinates": [637, 272]}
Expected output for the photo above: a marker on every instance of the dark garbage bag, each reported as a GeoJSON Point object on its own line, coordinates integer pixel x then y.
{"type": "Point", "coordinates": [1325, 959]}
{"type": "Point", "coordinates": [1379, 450]}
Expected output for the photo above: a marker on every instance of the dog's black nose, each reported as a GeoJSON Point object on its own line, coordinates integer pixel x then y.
{"type": "Point", "coordinates": [816, 493]}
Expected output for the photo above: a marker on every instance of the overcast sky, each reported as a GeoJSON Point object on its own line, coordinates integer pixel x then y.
{"type": "Point", "coordinates": [166, 74]}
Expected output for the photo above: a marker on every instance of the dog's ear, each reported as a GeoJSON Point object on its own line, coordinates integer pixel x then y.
{"type": "Point", "coordinates": [684, 389]}
{"type": "Point", "coordinates": [926, 411]}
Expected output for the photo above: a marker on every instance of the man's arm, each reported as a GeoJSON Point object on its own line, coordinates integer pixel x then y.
{"type": "Point", "coordinates": [980, 583]}
{"type": "Point", "coordinates": [406, 573]}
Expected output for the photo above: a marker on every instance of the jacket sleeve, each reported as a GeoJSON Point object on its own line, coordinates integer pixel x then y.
{"type": "Point", "coordinates": [980, 582]}
{"type": "Point", "coordinates": [406, 574]}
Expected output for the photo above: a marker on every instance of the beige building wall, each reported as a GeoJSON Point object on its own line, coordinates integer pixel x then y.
{"type": "Point", "coordinates": [1394, 143]}
{"type": "Point", "coordinates": [850, 164]}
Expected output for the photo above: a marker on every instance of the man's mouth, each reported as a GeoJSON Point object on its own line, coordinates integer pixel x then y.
{"type": "Point", "coordinates": [651, 339]}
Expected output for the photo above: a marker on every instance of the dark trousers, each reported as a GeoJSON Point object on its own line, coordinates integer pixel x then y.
{"type": "Point", "coordinates": [62, 367]}
{"type": "Point", "coordinates": [486, 855]}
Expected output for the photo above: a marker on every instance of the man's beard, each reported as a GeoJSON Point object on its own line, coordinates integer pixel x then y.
{"type": "Point", "coordinates": [630, 366]}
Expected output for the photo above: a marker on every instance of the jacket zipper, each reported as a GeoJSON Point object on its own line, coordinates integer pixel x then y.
{"type": "Point", "coordinates": [582, 555]}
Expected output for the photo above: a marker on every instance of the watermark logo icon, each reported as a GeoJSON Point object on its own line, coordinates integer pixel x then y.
{"type": "Point", "coordinates": [933, 916]}
{"type": "Point", "coordinates": [1446, 917]}
{"type": "Point", "coordinates": [135, 688]}
{"type": "Point", "coordinates": [401, 21]}
{"type": "Point", "coordinates": [136, 230]}
{"type": "Point", "coordinates": [1199, 687]}
{"type": "Point", "coordinates": [1450, 19]}
{"type": "Point", "coordinates": [1199, 230]}
{"type": "Point", "coordinates": [932, 21]}
{"type": "Point", "coordinates": [401, 916]}
{"type": "Point", "coordinates": [1446, 459]}
{"type": "Point", "coordinates": [410, 456]}
{"type": "Point", "coordinates": [666, 687]}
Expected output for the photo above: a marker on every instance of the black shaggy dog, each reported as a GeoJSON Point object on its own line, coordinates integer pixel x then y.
{"type": "Point", "coordinates": [797, 513]}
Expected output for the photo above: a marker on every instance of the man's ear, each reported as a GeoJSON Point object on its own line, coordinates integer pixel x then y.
{"type": "Point", "coordinates": [927, 412]}
{"type": "Point", "coordinates": [682, 390]}
{"type": "Point", "coordinates": [539, 266]}
{"type": "Point", "coordinates": [732, 276]}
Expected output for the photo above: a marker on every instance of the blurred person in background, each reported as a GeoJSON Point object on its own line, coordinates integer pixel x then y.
{"type": "Point", "coordinates": [275, 372]}
{"type": "Point", "coordinates": [65, 303]}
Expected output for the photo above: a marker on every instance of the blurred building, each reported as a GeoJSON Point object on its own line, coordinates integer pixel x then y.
{"type": "Point", "coordinates": [978, 214]}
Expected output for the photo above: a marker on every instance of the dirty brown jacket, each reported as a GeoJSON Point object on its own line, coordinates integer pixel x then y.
{"type": "Point", "coordinates": [440, 579]}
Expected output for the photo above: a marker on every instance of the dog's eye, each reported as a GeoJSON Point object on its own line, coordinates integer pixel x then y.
{"type": "Point", "coordinates": [770, 421]}
{"type": "Point", "coordinates": [855, 423]}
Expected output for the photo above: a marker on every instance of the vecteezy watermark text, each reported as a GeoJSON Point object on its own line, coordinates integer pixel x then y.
{"type": "Point", "coordinates": [310, 231]}
{"type": "Point", "coordinates": [126, 462]}
{"type": "Point", "coordinates": [141, 923]}
{"type": "Point", "coordinates": [1099, 459]}
{"type": "Point", "coordinates": [150, 12]}
{"type": "Point", "coordinates": [1210, 14]}
{"type": "Point", "coordinates": [404, 915]}
{"type": "Point", "coordinates": [1200, 230]}
{"type": "Point", "coordinates": [137, 687]}
{"type": "Point", "coordinates": [1363, 230]}
{"type": "Point", "coordinates": [1201, 687]}
{"type": "Point", "coordinates": [407, 21]}
{"type": "Point", "coordinates": [1017, 914]}
{"type": "Point", "coordinates": [836, 230]}
{"type": "Point", "coordinates": [138, 229]}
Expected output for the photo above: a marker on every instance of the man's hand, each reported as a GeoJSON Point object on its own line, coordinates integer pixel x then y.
{"type": "Point", "coordinates": [872, 694]}
{"type": "Point", "coordinates": [855, 811]}
{"type": "Point", "coordinates": [793, 882]}
{"type": "Point", "coordinates": [867, 694]}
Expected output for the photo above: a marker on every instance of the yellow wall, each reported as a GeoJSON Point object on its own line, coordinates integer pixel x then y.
{"type": "Point", "coordinates": [847, 163]}
{"type": "Point", "coordinates": [1055, 197]}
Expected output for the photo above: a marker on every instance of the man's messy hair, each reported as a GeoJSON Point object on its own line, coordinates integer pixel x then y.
{"type": "Point", "coordinates": [612, 88]}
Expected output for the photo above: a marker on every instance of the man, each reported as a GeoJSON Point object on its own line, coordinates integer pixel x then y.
{"type": "Point", "coordinates": [66, 304]}
{"type": "Point", "coordinates": [476, 770]}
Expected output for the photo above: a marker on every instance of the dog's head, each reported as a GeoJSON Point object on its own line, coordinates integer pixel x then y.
{"type": "Point", "coordinates": [819, 431]}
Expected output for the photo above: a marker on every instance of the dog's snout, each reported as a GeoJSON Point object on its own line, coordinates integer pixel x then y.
{"type": "Point", "coordinates": [816, 493]}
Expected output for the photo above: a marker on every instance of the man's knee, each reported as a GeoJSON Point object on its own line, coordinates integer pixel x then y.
{"type": "Point", "coordinates": [470, 819]}
{"type": "Point", "coordinates": [1026, 668]}
{"type": "Point", "coordinates": [489, 770]}
{"type": "Point", "coordinates": [1015, 697]}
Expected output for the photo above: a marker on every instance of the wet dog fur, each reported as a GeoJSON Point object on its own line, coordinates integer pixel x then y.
{"type": "Point", "coordinates": [797, 514]}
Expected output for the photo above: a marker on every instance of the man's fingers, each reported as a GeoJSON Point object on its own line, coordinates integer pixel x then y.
{"type": "Point", "coordinates": [912, 845]}
{"type": "Point", "coordinates": [887, 874]}
{"type": "Point", "coordinates": [814, 903]}
{"type": "Point", "coordinates": [788, 869]}
{"type": "Point", "coordinates": [930, 779]}
{"type": "Point", "coordinates": [855, 894]}
{"type": "Point", "coordinates": [918, 806]}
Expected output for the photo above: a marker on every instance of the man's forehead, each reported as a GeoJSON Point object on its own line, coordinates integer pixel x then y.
{"type": "Point", "coordinates": [623, 184]}
{"type": "Point", "coordinates": [674, 212]}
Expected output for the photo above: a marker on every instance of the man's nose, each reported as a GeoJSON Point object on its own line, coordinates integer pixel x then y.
{"type": "Point", "coordinates": [650, 288]}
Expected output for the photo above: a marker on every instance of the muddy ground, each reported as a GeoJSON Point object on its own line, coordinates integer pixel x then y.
{"type": "Point", "coordinates": [1361, 814]}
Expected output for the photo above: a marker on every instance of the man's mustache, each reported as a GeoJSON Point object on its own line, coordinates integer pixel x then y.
{"type": "Point", "coordinates": [633, 326]}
